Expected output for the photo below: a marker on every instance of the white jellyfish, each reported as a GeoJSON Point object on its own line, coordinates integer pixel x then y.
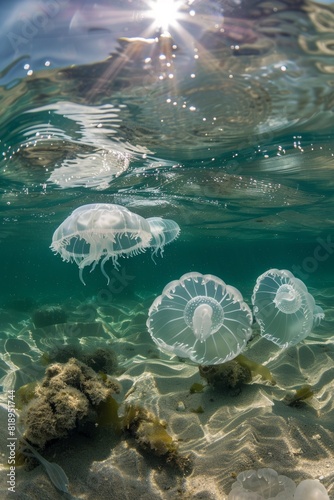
{"type": "Point", "coordinates": [262, 484]}
{"type": "Point", "coordinates": [201, 318]}
{"type": "Point", "coordinates": [267, 484]}
{"type": "Point", "coordinates": [104, 231]}
{"type": "Point", "coordinates": [283, 308]}
{"type": "Point", "coordinates": [311, 489]}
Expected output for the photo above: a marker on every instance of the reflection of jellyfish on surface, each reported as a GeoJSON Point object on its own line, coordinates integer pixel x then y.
{"type": "Point", "coordinates": [201, 318]}
{"type": "Point", "coordinates": [104, 231]}
{"type": "Point", "coordinates": [163, 231]}
{"type": "Point", "coordinates": [283, 307]}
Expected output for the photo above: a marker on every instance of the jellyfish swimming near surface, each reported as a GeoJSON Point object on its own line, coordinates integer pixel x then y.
{"type": "Point", "coordinates": [201, 318]}
{"type": "Point", "coordinates": [163, 231]}
{"type": "Point", "coordinates": [106, 231]}
{"type": "Point", "coordinates": [283, 308]}
{"type": "Point", "coordinates": [100, 231]}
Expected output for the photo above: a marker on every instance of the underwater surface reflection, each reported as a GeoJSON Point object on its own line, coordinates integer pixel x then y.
{"type": "Point", "coordinates": [228, 116]}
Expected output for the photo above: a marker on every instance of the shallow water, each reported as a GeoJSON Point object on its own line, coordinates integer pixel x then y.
{"type": "Point", "coordinates": [225, 127]}
{"type": "Point", "coordinates": [221, 121]}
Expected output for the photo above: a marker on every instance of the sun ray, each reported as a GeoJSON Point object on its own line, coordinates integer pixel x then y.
{"type": "Point", "coordinates": [169, 29]}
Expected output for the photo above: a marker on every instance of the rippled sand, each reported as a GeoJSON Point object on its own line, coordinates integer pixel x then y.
{"type": "Point", "coordinates": [237, 430]}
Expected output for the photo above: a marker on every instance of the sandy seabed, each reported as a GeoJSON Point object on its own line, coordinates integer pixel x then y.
{"type": "Point", "coordinates": [250, 428]}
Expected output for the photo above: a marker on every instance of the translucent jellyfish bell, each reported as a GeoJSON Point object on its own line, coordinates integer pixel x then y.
{"type": "Point", "coordinates": [284, 309]}
{"type": "Point", "coordinates": [163, 231]}
{"type": "Point", "coordinates": [262, 484]}
{"type": "Point", "coordinates": [311, 489]}
{"type": "Point", "coordinates": [100, 231]}
{"type": "Point", "coordinates": [201, 318]}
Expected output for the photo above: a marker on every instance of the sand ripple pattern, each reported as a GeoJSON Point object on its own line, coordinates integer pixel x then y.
{"type": "Point", "coordinates": [236, 430]}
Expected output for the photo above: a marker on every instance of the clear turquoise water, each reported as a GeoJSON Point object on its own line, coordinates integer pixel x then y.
{"type": "Point", "coordinates": [224, 125]}
{"type": "Point", "coordinates": [236, 147]}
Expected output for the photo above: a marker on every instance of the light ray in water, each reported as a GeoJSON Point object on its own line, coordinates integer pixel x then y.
{"type": "Point", "coordinates": [156, 32]}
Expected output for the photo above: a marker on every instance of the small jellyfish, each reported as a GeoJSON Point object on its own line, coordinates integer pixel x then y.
{"type": "Point", "coordinates": [163, 231]}
{"type": "Point", "coordinates": [201, 318]}
{"type": "Point", "coordinates": [100, 231]}
{"type": "Point", "coordinates": [311, 489]}
{"type": "Point", "coordinates": [262, 484]}
{"type": "Point", "coordinates": [283, 307]}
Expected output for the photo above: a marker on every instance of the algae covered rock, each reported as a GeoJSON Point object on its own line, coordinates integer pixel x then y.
{"type": "Point", "coordinates": [148, 430]}
{"type": "Point", "coordinates": [101, 360]}
{"type": "Point", "coordinates": [152, 437]}
{"type": "Point", "coordinates": [68, 397]}
{"type": "Point", "coordinates": [229, 375]}
{"type": "Point", "coordinates": [233, 374]}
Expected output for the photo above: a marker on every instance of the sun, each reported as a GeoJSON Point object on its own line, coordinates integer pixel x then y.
{"type": "Point", "coordinates": [165, 13]}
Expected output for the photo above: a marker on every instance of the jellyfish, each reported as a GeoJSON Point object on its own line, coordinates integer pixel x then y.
{"type": "Point", "coordinates": [283, 308]}
{"type": "Point", "coordinates": [311, 489]}
{"type": "Point", "coordinates": [163, 231]}
{"type": "Point", "coordinates": [100, 231]}
{"type": "Point", "coordinates": [201, 318]}
{"type": "Point", "coordinates": [262, 484]}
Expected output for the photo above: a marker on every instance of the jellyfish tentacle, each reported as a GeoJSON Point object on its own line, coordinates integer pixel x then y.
{"type": "Point", "coordinates": [80, 275]}
{"type": "Point", "coordinates": [102, 268]}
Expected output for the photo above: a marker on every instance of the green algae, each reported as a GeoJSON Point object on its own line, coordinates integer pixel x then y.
{"type": "Point", "coordinates": [196, 387]}
{"type": "Point", "coordinates": [300, 396]}
{"type": "Point", "coordinates": [255, 368]}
